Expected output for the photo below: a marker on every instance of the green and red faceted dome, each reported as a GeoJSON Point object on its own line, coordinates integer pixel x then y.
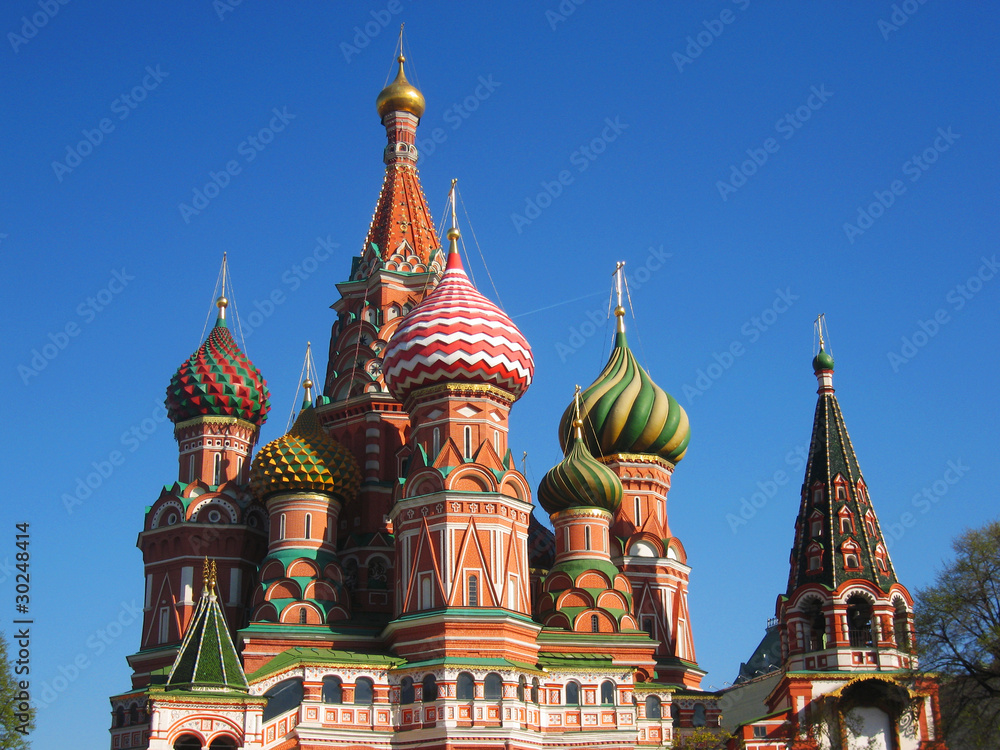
{"type": "Point", "coordinates": [456, 335]}
{"type": "Point", "coordinates": [580, 481]}
{"type": "Point", "coordinates": [624, 411]}
{"type": "Point", "coordinates": [218, 380]}
{"type": "Point", "coordinates": [306, 459]}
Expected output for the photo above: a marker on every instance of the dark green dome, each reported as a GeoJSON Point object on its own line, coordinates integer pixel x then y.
{"type": "Point", "coordinates": [822, 361]}
{"type": "Point", "coordinates": [580, 481]}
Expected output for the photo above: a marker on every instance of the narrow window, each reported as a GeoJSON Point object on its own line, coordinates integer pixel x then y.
{"type": "Point", "coordinates": [406, 691]}
{"type": "Point", "coordinates": [586, 537]}
{"type": "Point", "coordinates": [239, 467]}
{"type": "Point", "coordinates": [493, 687]}
{"type": "Point", "coordinates": [496, 440]}
{"type": "Point", "coordinates": [534, 690]}
{"type": "Point", "coordinates": [333, 690]}
{"type": "Point", "coordinates": [841, 492]}
{"type": "Point", "coordinates": [607, 693]}
{"type": "Point", "coordinates": [851, 561]}
{"type": "Point", "coordinates": [303, 616]}
{"type": "Point", "coordinates": [522, 684]}
{"type": "Point", "coordinates": [426, 595]}
{"type": "Point", "coordinates": [652, 707]}
{"type": "Point", "coordinates": [436, 441]}
{"type": "Point", "coordinates": [638, 513]}
{"type": "Point", "coordinates": [647, 625]}
{"type": "Point", "coordinates": [281, 526]}
{"type": "Point", "coordinates": [468, 442]}
{"type": "Point", "coordinates": [465, 687]}
{"type": "Point", "coordinates": [817, 527]}
{"type": "Point", "coordinates": [191, 461]}
{"type": "Point", "coordinates": [698, 719]}
{"type": "Point", "coordinates": [845, 525]}
{"type": "Point", "coordinates": [164, 624]}
{"type": "Point", "coordinates": [572, 694]}
{"type": "Point", "coordinates": [430, 692]}
{"type": "Point", "coordinates": [309, 520]}
{"type": "Point", "coordinates": [473, 591]}
{"type": "Point", "coordinates": [218, 469]}
{"type": "Point", "coordinates": [595, 624]}
{"type": "Point", "coordinates": [364, 692]}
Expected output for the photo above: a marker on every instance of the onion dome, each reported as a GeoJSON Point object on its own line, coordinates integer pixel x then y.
{"type": "Point", "coordinates": [624, 411]}
{"type": "Point", "coordinates": [218, 380]}
{"type": "Point", "coordinates": [456, 335]}
{"type": "Point", "coordinates": [306, 459]}
{"type": "Point", "coordinates": [580, 480]}
{"type": "Point", "coordinates": [822, 361]}
{"type": "Point", "coordinates": [400, 96]}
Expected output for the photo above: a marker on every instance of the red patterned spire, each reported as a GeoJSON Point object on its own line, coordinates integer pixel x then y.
{"type": "Point", "coordinates": [456, 335]}
{"type": "Point", "coordinates": [401, 228]}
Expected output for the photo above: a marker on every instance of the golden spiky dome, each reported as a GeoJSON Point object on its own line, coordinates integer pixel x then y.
{"type": "Point", "coordinates": [400, 96]}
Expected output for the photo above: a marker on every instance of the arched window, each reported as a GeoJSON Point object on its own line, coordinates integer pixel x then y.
{"type": "Point", "coordinates": [468, 442]}
{"type": "Point", "coordinates": [406, 691]}
{"type": "Point", "coordinates": [303, 616]}
{"type": "Point", "coordinates": [900, 627]}
{"type": "Point", "coordinates": [218, 469]}
{"type": "Point", "coordinates": [816, 624]}
{"type": "Point", "coordinates": [534, 690]}
{"type": "Point", "coordinates": [187, 742]}
{"type": "Point", "coordinates": [698, 719]}
{"type": "Point", "coordinates": [378, 578]}
{"type": "Point", "coordinates": [572, 693]}
{"type": "Point", "coordinates": [120, 716]}
{"type": "Point", "coordinates": [223, 743]}
{"type": "Point", "coordinates": [859, 620]}
{"type": "Point", "coordinates": [133, 715]}
{"type": "Point", "coordinates": [473, 591]}
{"type": "Point", "coordinates": [282, 697]}
{"type": "Point", "coordinates": [522, 684]}
{"type": "Point", "coordinates": [309, 524]}
{"type": "Point", "coordinates": [493, 687]}
{"type": "Point", "coordinates": [333, 689]}
{"type": "Point", "coordinates": [465, 687]}
{"type": "Point", "coordinates": [851, 561]}
{"type": "Point", "coordinates": [430, 692]}
{"type": "Point", "coordinates": [595, 624]}
{"type": "Point", "coordinates": [653, 707]}
{"type": "Point", "coordinates": [364, 691]}
{"type": "Point", "coordinates": [675, 714]}
{"type": "Point", "coordinates": [607, 693]}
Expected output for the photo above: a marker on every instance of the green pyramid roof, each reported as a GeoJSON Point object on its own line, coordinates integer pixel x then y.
{"type": "Point", "coordinates": [207, 660]}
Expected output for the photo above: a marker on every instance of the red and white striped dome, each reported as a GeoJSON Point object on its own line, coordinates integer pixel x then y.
{"type": "Point", "coordinates": [456, 335]}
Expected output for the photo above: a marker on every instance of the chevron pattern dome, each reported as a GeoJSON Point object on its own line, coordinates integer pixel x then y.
{"type": "Point", "coordinates": [218, 380]}
{"type": "Point", "coordinates": [306, 459]}
{"type": "Point", "coordinates": [580, 481]}
{"type": "Point", "coordinates": [456, 335]}
{"type": "Point", "coordinates": [624, 411]}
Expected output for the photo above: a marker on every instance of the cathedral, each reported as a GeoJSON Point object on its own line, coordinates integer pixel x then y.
{"type": "Point", "coordinates": [376, 578]}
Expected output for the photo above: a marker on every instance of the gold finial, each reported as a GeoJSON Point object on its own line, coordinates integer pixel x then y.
{"type": "Point", "coordinates": [400, 95]}
{"type": "Point", "coordinates": [206, 577]}
{"type": "Point", "coordinates": [453, 233]}
{"type": "Point", "coordinates": [819, 323]}
{"type": "Point", "coordinates": [619, 275]}
{"type": "Point", "coordinates": [212, 576]}
{"type": "Point", "coordinates": [577, 421]}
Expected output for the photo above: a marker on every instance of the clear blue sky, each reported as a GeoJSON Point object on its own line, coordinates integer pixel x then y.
{"type": "Point", "coordinates": [818, 109]}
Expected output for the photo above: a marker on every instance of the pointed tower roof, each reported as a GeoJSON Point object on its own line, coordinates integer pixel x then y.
{"type": "Point", "coordinates": [207, 660]}
{"type": "Point", "coordinates": [218, 380]}
{"type": "Point", "coordinates": [835, 503]}
{"type": "Point", "coordinates": [402, 235]}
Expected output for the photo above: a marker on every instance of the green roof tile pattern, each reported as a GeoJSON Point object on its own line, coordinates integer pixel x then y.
{"type": "Point", "coordinates": [580, 481]}
{"type": "Point", "coordinates": [218, 380]}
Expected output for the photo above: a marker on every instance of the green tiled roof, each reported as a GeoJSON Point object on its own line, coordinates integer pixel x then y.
{"type": "Point", "coordinates": [207, 659]}
{"type": "Point", "coordinates": [307, 655]}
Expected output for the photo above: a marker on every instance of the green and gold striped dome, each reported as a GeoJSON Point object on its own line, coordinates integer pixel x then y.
{"type": "Point", "coordinates": [580, 481]}
{"type": "Point", "coordinates": [307, 459]}
{"type": "Point", "coordinates": [624, 411]}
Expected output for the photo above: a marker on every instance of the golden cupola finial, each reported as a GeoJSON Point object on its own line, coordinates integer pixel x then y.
{"type": "Point", "coordinates": [400, 96]}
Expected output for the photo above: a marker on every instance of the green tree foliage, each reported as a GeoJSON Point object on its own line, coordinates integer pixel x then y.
{"type": "Point", "coordinates": [958, 625]}
{"type": "Point", "coordinates": [702, 739]}
{"type": "Point", "coordinates": [13, 727]}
